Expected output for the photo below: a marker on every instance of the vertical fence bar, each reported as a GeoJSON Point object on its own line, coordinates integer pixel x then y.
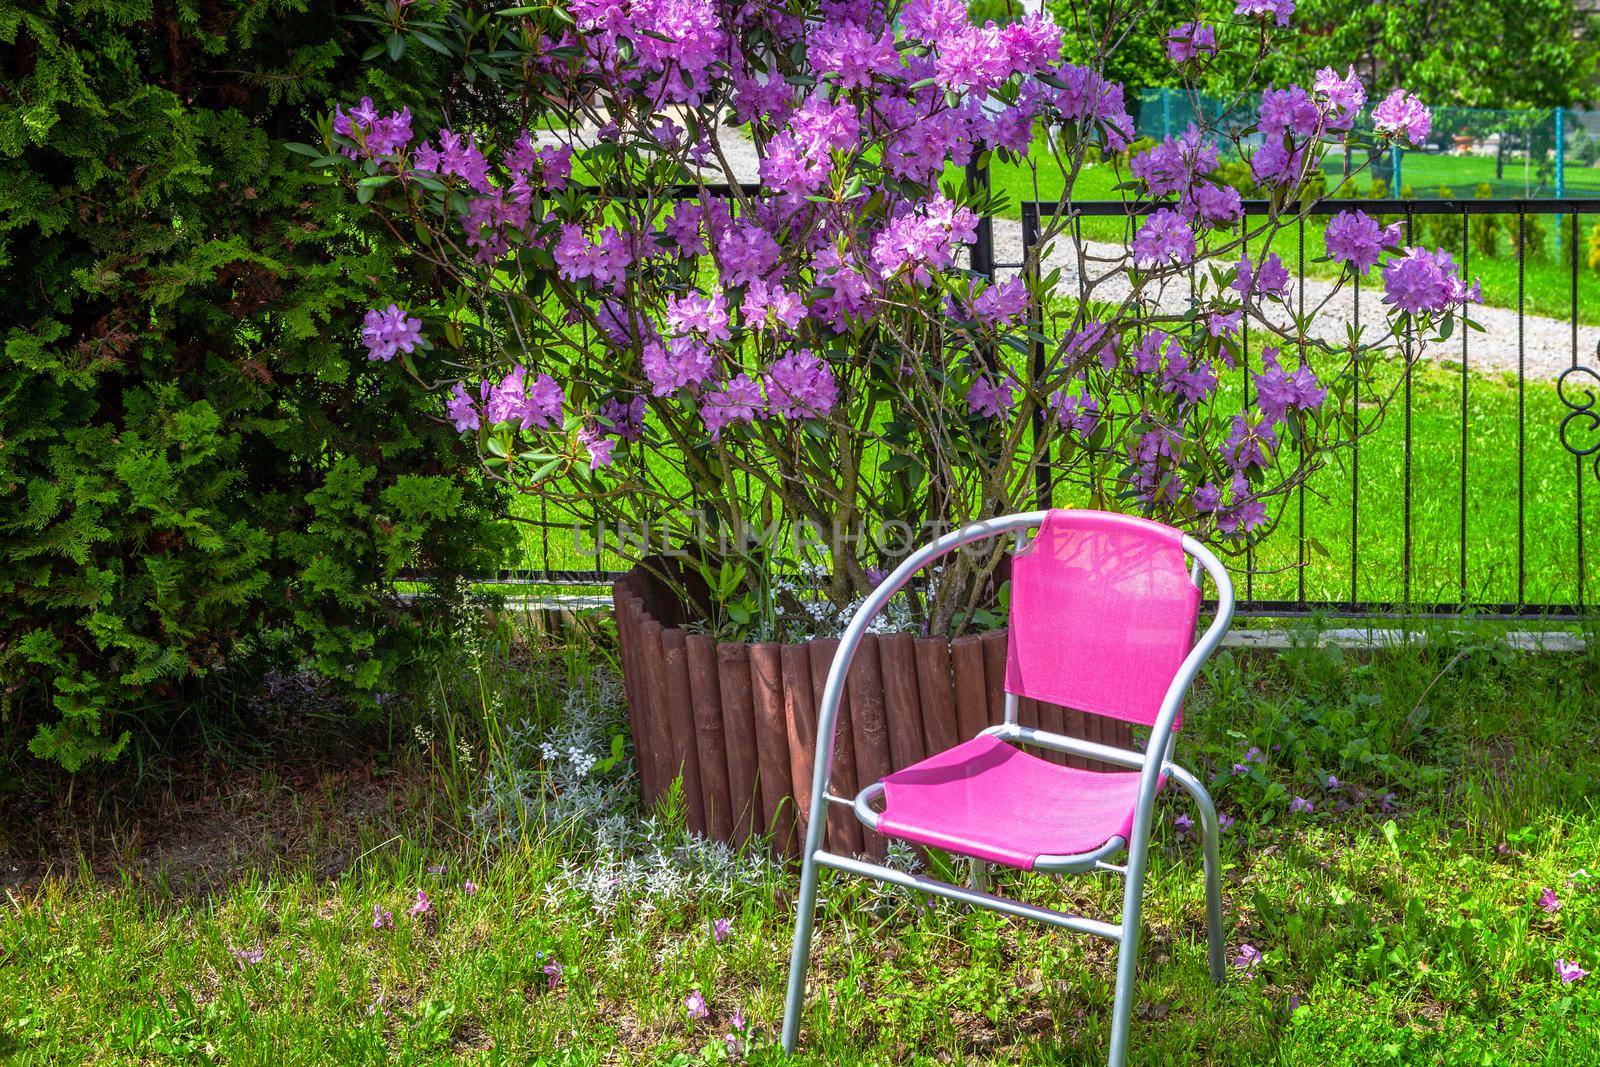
{"type": "Point", "coordinates": [1462, 556]}
{"type": "Point", "coordinates": [1030, 236]}
{"type": "Point", "coordinates": [1355, 463]}
{"type": "Point", "coordinates": [1405, 507]}
{"type": "Point", "coordinates": [1577, 461]}
{"type": "Point", "coordinates": [1300, 495]}
{"type": "Point", "coordinates": [1522, 405]}
{"type": "Point", "coordinates": [1244, 370]}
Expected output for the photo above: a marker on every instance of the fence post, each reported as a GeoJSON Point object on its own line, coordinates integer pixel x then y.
{"type": "Point", "coordinates": [1395, 189]}
{"type": "Point", "coordinates": [983, 244]}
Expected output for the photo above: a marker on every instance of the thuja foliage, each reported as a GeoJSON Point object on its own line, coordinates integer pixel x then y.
{"type": "Point", "coordinates": [199, 468]}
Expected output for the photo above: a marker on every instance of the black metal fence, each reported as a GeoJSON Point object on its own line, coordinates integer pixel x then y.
{"type": "Point", "coordinates": [1498, 507]}
{"type": "Point", "coordinates": [1493, 516]}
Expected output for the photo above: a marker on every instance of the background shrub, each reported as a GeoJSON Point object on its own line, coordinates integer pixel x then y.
{"type": "Point", "coordinates": [198, 468]}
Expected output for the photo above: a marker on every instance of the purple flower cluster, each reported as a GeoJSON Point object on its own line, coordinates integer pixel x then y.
{"type": "Point", "coordinates": [1420, 282]}
{"type": "Point", "coordinates": [1402, 117]}
{"type": "Point", "coordinates": [1278, 10]}
{"type": "Point", "coordinates": [1357, 239]}
{"type": "Point", "coordinates": [1278, 392]}
{"type": "Point", "coordinates": [1165, 238]}
{"type": "Point", "coordinates": [1191, 40]}
{"type": "Point", "coordinates": [375, 135]}
{"type": "Point", "coordinates": [923, 239]}
{"type": "Point", "coordinates": [801, 386]}
{"type": "Point", "coordinates": [390, 331]}
{"type": "Point", "coordinates": [604, 262]}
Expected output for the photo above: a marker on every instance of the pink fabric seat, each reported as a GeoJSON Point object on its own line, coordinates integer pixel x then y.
{"type": "Point", "coordinates": [990, 800]}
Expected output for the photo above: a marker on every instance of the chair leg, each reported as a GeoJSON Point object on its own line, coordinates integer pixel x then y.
{"type": "Point", "coordinates": [1127, 962]}
{"type": "Point", "coordinates": [1211, 845]}
{"type": "Point", "coordinates": [800, 955]}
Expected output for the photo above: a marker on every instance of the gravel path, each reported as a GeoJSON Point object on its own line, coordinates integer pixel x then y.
{"type": "Point", "coordinates": [1547, 343]}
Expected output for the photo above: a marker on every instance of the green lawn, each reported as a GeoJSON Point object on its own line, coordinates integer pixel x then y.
{"type": "Point", "coordinates": [1399, 931]}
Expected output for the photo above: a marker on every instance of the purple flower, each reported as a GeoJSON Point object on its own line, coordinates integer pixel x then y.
{"type": "Point", "coordinates": [1386, 802]}
{"type": "Point", "coordinates": [696, 1006]}
{"type": "Point", "coordinates": [528, 405]}
{"type": "Point", "coordinates": [1075, 411]}
{"type": "Point", "coordinates": [1248, 957]}
{"type": "Point", "coordinates": [681, 362]}
{"type": "Point", "coordinates": [739, 400]}
{"type": "Point", "coordinates": [462, 409]}
{"type": "Point", "coordinates": [1172, 165]}
{"type": "Point", "coordinates": [1334, 783]}
{"type": "Point", "coordinates": [1355, 238]}
{"type": "Point", "coordinates": [248, 957]}
{"type": "Point", "coordinates": [1001, 303]}
{"type": "Point", "coordinates": [1218, 205]}
{"type": "Point", "coordinates": [1278, 391]}
{"type": "Point", "coordinates": [763, 302]}
{"type": "Point", "coordinates": [1189, 40]}
{"type": "Point", "coordinates": [721, 929]}
{"type": "Point", "coordinates": [389, 331]}
{"type": "Point", "coordinates": [604, 263]}
{"type": "Point", "coordinates": [922, 238]}
{"type": "Point", "coordinates": [438, 868]}
{"type": "Point", "coordinates": [736, 1020]}
{"type": "Point", "coordinates": [1422, 282]}
{"type": "Point", "coordinates": [1402, 116]}
{"type": "Point", "coordinates": [382, 918]}
{"type": "Point", "coordinates": [1207, 498]}
{"type": "Point", "coordinates": [377, 135]}
{"type": "Point", "coordinates": [455, 157]}
{"type": "Point", "coordinates": [1345, 96]}
{"type": "Point", "coordinates": [800, 386]}
{"type": "Point", "coordinates": [421, 907]}
{"type": "Point", "coordinates": [1183, 823]}
{"type": "Point", "coordinates": [598, 445]}
{"type": "Point", "coordinates": [1249, 444]}
{"type": "Point", "coordinates": [1569, 971]}
{"type": "Point", "coordinates": [697, 313]}
{"type": "Point", "coordinates": [626, 420]}
{"type": "Point", "coordinates": [990, 400]}
{"type": "Point", "coordinates": [1549, 901]}
{"type": "Point", "coordinates": [1225, 323]}
{"type": "Point", "coordinates": [1224, 821]}
{"type": "Point", "coordinates": [469, 887]}
{"type": "Point", "coordinates": [1301, 806]}
{"type": "Point", "coordinates": [552, 974]}
{"type": "Point", "coordinates": [1290, 111]}
{"type": "Point", "coordinates": [1164, 238]}
{"type": "Point", "coordinates": [1278, 9]}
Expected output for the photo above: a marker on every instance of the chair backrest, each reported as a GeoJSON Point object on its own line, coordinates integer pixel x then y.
{"type": "Point", "coordinates": [1103, 612]}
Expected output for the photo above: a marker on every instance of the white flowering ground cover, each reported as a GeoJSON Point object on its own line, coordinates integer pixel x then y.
{"type": "Point", "coordinates": [1408, 858]}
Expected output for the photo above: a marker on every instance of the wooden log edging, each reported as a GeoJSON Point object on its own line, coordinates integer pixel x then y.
{"type": "Point", "coordinates": [736, 723]}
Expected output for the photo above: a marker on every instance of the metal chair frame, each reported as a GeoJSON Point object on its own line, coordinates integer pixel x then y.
{"type": "Point", "coordinates": [1153, 763]}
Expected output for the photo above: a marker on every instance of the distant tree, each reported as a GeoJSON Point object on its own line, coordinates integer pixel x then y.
{"type": "Point", "coordinates": [1470, 53]}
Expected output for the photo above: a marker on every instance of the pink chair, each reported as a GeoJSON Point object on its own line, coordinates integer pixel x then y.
{"type": "Point", "coordinates": [1103, 616]}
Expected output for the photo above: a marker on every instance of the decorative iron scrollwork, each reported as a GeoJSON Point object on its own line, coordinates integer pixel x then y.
{"type": "Point", "coordinates": [1582, 421]}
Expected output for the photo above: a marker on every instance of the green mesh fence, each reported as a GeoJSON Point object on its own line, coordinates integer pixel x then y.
{"type": "Point", "coordinates": [1472, 152]}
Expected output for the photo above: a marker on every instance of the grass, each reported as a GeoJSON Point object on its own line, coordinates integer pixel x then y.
{"type": "Point", "coordinates": [1406, 936]}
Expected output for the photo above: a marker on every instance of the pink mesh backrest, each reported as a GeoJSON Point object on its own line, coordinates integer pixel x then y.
{"type": "Point", "coordinates": [1102, 614]}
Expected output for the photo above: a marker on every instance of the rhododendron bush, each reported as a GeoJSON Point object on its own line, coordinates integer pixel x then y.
{"type": "Point", "coordinates": [703, 272]}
